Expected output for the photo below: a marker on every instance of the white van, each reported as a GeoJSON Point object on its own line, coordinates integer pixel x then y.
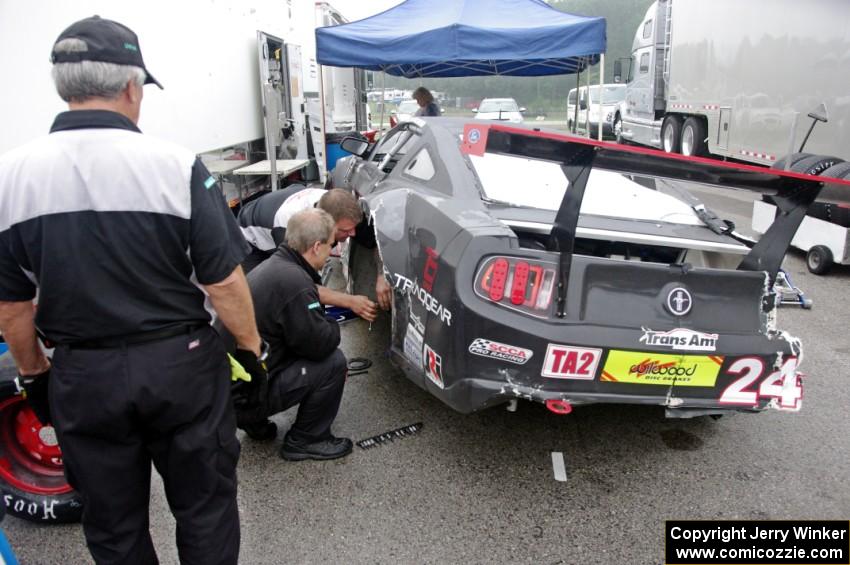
{"type": "Point", "coordinates": [612, 95]}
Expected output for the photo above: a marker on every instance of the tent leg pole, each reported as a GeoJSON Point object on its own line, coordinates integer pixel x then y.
{"type": "Point", "coordinates": [578, 98]}
{"type": "Point", "coordinates": [601, 82]}
{"type": "Point", "coordinates": [587, 109]}
{"type": "Point", "coordinates": [383, 97]}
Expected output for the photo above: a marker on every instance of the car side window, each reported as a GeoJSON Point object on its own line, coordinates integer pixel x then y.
{"type": "Point", "coordinates": [647, 29]}
{"type": "Point", "coordinates": [396, 149]}
{"type": "Point", "coordinates": [644, 63]}
{"type": "Point", "coordinates": [421, 167]}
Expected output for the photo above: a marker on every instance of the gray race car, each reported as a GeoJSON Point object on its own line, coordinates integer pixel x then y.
{"type": "Point", "coordinates": [535, 265]}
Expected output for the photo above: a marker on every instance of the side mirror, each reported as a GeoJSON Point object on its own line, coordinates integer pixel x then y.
{"type": "Point", "coordinates": [618, 70]}
{"type": "Point", "coordinates": [522, 110]}
{"type": "Point", "coordinates": [475, 110]}
{"type": "Point", "coordinates": [355, 146]}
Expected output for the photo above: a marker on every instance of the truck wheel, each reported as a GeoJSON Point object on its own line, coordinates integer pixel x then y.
{"type": "Point", "coordinates": [618, 129]}
{"type": "Point", "coordinates": [819, 259]}
{"type": "Point", "coordinates": [693, 138]}
{"type": "Point", "coordinates": [839, 171]}
{"type": "Point", "coordinates": [815, 165]}
{"type": "Point", "coordinates": [31, 473]}
{"type": "Point", "coordinates": [793, 157]}
{"type": "Point", "coordinates": [671, 134]}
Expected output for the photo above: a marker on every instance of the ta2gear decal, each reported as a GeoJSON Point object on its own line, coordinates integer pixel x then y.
{"type": "Point", "coordinates": [679, 301]}
{"type": "Point", "coordinates": [502, 351]}
{"type": "Point", "coordinates": [680, 339]}
{"type": "Point", "coordinates": [433, 366]}
{"type": "Point", "coordinates": [638, 367]}
{"type": "Point", "coordinates": [567, 362]}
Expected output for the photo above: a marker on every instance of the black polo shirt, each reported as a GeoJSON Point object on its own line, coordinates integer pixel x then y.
{"type": "Point", "coordinates": [117, 230]}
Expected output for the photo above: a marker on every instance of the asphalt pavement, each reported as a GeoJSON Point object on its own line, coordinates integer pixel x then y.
{"type": "Point", "coordinates": [481, 488]}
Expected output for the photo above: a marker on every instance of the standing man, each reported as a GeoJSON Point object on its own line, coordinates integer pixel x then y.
{"type": "Point", "coordinates": [263, 222]}
{"type": "Point", "coordinates": [305, 366]}
{"type": "Point", "coordinates": [121, 236]}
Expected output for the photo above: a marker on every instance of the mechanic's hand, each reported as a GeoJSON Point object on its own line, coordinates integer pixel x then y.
{"type": "Point", "coordinates": [384, 292]}
{"type": "Point", "coordinates": [364, 308]}
{"type": "Point", "coordinates": [35, 391]}
{"type": "Point", "coordinates": [248, 395]}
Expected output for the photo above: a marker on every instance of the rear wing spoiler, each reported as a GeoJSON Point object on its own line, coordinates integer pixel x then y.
{"type": "Point", "coordinates": [792, 193]}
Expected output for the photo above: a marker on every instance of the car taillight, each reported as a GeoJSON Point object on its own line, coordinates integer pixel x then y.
{"type": "Point", "coordinates": [518, 283]}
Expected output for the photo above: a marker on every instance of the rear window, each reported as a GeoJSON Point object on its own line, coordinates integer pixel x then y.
{"type": "Point", "coordinates": [498, 106]}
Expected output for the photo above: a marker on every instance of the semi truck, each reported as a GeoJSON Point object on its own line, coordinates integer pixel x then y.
{"type": "Point", "coordinates": [739, 80]}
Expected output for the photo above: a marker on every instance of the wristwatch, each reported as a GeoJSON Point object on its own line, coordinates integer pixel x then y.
{"type": "Point", "coordinates": [264, 351]}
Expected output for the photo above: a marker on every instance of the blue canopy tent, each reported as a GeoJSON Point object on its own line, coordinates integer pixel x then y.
{"type": "Point", "coordinates": [453, 38]}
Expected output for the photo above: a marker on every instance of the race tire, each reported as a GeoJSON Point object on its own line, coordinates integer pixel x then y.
{"type": "Point", "coordinates": [793, 157]}
{"type": "Point", "coordinates": [693, 142]}
{"type": "Point", "coordinates": [839, 171]}
{"type": "Point", "coordinates": [32, 481]}
{"type": "Point", "coordinates": [671, 134]}
{"type": "Point", "coordinates": [815, 165]}
{"type": "Point", "coordinates": [819, 259]}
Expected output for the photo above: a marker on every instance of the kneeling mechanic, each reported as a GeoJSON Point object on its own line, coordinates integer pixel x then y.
{"type": "Point", "coordinates": [305, 365]}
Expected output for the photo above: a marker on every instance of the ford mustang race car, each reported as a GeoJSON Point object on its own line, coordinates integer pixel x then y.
{"type": "Point", "coordinates": [536, 265]}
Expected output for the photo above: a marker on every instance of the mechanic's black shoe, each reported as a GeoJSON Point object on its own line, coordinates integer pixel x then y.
{"type": "Point", "coordinates": [331, 448]}
{"type": "Point", "coordinates": [261, 431]}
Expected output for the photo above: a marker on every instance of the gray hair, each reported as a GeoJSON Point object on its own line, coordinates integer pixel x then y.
{"type": "Point", "coordinates": [91, 79]}
{"type": "Point", "coordinates": [307, 227]}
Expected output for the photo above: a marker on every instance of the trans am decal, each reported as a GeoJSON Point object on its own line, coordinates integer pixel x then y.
{"type": "Point", "coordinates": [566, 362]}
{"type": "Point", "coordinates": [680, 339]}
{"type": "Point", "coordinates": [503, 351]}
{"type": "Point", "coordinates": [661, 369]}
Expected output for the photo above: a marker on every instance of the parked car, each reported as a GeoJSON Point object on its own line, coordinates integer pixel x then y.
{"type": "Point", "coordinates": [622, 289]}
{"type": "Point", "coordinates": [502, 109]}
{"type": "Point", "coordinates": [405, 110]}
{"type": "Point", "coordinates": [601, 108]}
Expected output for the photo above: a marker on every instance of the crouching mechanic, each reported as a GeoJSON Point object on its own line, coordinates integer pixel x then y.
{"type": "Point", "coordinates": [304, 365]}
{"type": "Point", "coordinates": [263, 222]}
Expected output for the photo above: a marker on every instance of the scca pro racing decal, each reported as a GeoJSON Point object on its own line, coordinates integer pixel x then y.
{"type": "Point", "coordinates": [433, 366]}
{"type": "Point", "coordinates": [566, 362]}
{"type": "Point", "coordinates": [680, 339]}
{"type": "Point", "coordinates": [503, 351]}
{"type": "Point", "coordinates": [660, 369]}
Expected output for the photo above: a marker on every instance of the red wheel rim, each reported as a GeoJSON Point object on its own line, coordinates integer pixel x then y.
{"type": "Point", "coordinates": [30, 460]}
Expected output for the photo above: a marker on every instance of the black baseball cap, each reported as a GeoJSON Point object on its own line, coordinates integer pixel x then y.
{"type": "Point", "coordinates": [106, 41]}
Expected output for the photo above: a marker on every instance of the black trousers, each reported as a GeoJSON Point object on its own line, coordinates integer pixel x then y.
{"type": "Point", "coordinates": [316, 386]}
{"type": "Point", "coordinates": [168, 402]}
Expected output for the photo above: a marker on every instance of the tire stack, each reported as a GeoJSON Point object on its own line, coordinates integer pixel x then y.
{"type": "Point", "coordinates": [819, 258]}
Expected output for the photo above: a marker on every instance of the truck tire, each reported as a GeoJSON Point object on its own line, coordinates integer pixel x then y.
{"type": "Point", "coordinates": [671, 134]}
{"type": "Point", "coordinates": [617, 128]}
{"type": "Point", "coordinates": [838, 171]}
{"type": "Point", "coordinates": [32, 480]}
{"type": "Point", "coordinates": [815, 165]}
{"type": "Point", "coordinates": [693, 138]}
{"type": "Point", "coordinates": [793, 157]}
{"type": "Point", "coordinates": [819, 259]}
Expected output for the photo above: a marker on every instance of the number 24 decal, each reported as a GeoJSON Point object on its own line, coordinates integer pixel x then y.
{"type": "Point", "coordinates": [783, 384]}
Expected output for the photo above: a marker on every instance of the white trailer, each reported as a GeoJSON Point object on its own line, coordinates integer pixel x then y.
{"type": "Point", "coordinates": [737, 79]}
{"type": "Point", "coordinates": [218, 101]}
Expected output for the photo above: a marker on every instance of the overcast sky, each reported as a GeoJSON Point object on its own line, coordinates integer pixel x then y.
{"type": "Point", "coordinates": [354, 10]}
